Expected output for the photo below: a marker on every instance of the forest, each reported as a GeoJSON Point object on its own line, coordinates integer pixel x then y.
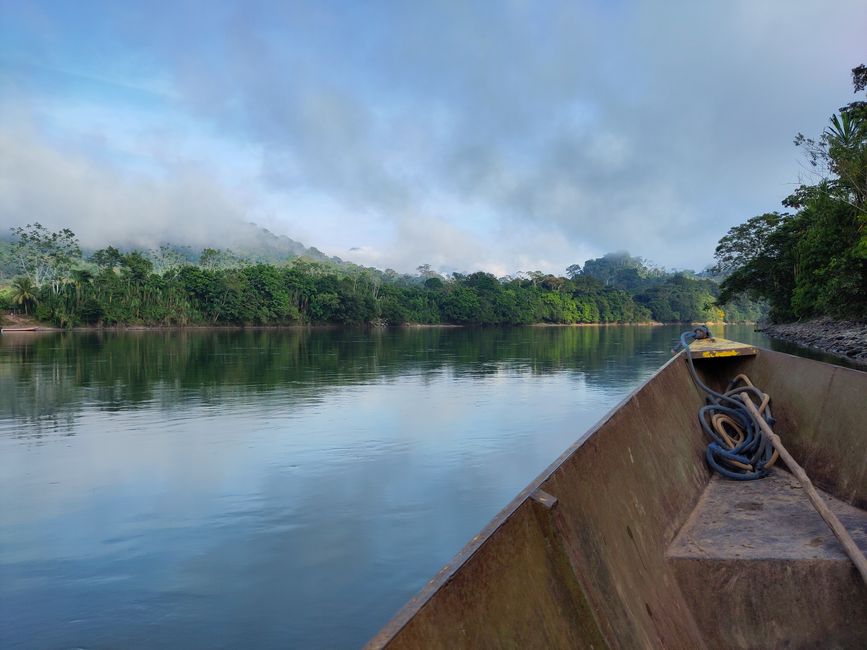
{"type": "Point", "coordinates": [811, 260]}
{"type": "Point", "coordinates": [805, 262]}
{"type": "Point", "coordinates": [56, 283]}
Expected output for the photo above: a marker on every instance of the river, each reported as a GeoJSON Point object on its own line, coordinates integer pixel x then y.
{"type": "Point", "coordinates": [274, 488]}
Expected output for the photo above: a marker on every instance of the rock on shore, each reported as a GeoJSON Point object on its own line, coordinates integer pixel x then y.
{"type": "Point", "coordinates": [844, 338]}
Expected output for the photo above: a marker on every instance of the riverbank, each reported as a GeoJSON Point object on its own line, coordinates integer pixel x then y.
{"type": "Point", "coordinates": [24, 323]}
{"type": "Point", "coordinates": [639, 324]}
{"type": "Point", "coordinates": [847, 339]}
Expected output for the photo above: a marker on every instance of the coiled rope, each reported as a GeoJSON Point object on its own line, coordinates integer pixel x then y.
{"type": "Point", "coordinates": [744, 445]}
{"type": "Point", "coordinates": [738, 449]}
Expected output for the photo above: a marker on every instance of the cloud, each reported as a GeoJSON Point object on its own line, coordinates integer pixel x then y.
{"type": "Point", "coordinates": [649, 127]}
{"type": "Point", "coordinates": [470, 132]}
{"type": "Point", "coordinates": [103, 205]}
{"type": "Point", "coordinates": [431, 239]}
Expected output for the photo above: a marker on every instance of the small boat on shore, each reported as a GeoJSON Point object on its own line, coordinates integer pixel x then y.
{"type": "Point", "coordinates": [10, 330]}
{"type": "Point", "coordinates": [629, 540]}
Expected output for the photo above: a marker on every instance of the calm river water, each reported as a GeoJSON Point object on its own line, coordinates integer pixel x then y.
{"type": "Point", "coordinates": [290, 488]}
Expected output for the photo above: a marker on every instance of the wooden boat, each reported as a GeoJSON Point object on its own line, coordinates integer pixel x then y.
{"type": "Point", "coordinates": [18, 329]}
{"type": "Point", "coordinates": [629, 541]}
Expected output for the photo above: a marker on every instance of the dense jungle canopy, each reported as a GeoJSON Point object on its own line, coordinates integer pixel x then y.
{"type": "Point", "coordinates": [109, 287]}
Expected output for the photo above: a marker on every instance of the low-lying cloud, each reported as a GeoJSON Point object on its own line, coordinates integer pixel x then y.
{"type": "Point", "coordinates": [498, 135]}
{"type": "Point", "coordinates": [102, 205]}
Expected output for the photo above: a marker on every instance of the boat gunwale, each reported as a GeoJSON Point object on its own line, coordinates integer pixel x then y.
{"type": "Point", "coordinates": [415, 604]}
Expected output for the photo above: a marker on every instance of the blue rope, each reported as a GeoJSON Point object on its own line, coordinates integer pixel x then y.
{"type": "Point", "coordinates": [755, 451]}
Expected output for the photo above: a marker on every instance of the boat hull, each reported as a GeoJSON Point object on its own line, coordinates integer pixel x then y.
{"type": "Point", "coordinates": [578, 558]}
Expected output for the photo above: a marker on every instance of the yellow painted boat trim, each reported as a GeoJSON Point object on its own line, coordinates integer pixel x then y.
{"type": "Point", "coordinates": [715, 348]}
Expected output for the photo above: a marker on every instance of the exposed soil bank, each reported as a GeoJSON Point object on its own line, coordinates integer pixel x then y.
{"type": "Point", "coordinates": [847, 339]}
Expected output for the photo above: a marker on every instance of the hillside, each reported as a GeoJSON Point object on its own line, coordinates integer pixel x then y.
{"type": "Point", "coordinates": [261, 245]}
{"type": "Point", "coordinates": [250, 243]}
{"type": "Point", "coordinates": [177, 285]}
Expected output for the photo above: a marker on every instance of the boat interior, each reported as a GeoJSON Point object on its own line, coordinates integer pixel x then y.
{"type": "Point", "coordinates": [628, 540]}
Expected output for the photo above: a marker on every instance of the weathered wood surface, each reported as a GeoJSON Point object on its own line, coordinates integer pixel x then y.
{"type": "Point", "coordinates": [761, 569]}
{"type": "Point", "coordinates": [714, 348]}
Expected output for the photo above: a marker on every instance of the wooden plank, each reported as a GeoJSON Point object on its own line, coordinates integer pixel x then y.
{"type": "Point", "coordinates": [715, 348]}
{"type": "Point", "coordinates": [852, 550]}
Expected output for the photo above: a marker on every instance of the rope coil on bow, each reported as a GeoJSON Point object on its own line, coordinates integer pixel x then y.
{"type": "Point", "coordinates": [738, 449]}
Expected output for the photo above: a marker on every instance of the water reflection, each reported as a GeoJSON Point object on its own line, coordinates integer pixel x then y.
{"type": "Point", "coordinates": [46, 379]}
{"type": "Point", "coordinates": [272, 488]}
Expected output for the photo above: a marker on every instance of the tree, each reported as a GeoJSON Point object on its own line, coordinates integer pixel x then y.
{"type": "Point", "coordinates": [812, 262]}
{"type": "Point", "coordinates": [80, 279]}
{"type": "Point", "coordinates": [107, 258]}
{"type": "Point", "coordinates": [859, 77]}
{"type": "Point", "coordinates": [24, 293]}
{"type": "Point", "coordinates": [605, 268]}
{"type": "Point", "coordinates": [461, 305]}
{"type": "Point", "coordinates": [43, 256]}
{"type": "Point", "coordinates": [425, 272]}
{"type": "Point", "coordinates": [215, 258]}
{"type": "Point", "coordinates": [535, 277]}
{"type": "Point", "coordinates": [573, 271]}
{"type": "Point", "coordinates": [746, 243]}
{"type": "Point", "coordinates": [758, 258]}
{"type": "Point", "coordinates": [136, 267]}
{"type": "Point", "coordinates": [167, 258]}
{"type": "Point", "coordinates": [7, 262]}
{"type": "Point", "coordinates": [839, 155]}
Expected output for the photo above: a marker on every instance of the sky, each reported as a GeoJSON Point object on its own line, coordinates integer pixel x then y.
{"type": "Point", "coordinates": [502, 136]}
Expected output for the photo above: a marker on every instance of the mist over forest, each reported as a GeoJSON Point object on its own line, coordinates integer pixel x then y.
{"type": "Point", "coordinates": [282, 284]}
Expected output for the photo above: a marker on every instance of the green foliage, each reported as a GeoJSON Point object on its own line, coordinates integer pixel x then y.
{"type": "Point", "coordinates": [165, 288]}
{"type": "Point", "coordinates": [113, 287]}
{"type": "Point", "coordinates": [44, 312]}
{"type": "Point", "coordinates": [126, 289]}
{"type": "Point", "coordinates": [43, 256]}
{"type": "Point", "coordinates": [215, 259]}
{"type": "Point", "coordinates": [8, 268]}
{"type": "Point", "coordinates": [812, 262]}
{"type": "Point", "coordinates": [622, 270]}
{"type": "Point", "coordinates": [682, 299]}
{"type": "Point", "coordinates": [23, 294]}
{"type": "Point", "coordinates": [107, 258]}
{"type": "Point", "coordinates": [573, 271]}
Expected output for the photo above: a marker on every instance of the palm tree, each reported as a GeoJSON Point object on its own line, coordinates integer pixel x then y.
{"type": "Point", "coordinates": [80, 278]}
{"type": "Point", "coordinates": [846, 141]}
{"type": "Point", "coordinates": [24, 292]}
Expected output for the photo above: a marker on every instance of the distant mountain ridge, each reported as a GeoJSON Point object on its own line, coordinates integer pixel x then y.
{"type": "Point", "coordinates": [256, 244]}
{"type": "Point", "coordinates": [251, 242]}
{"type": "Point", "coordinates": [259, 244]}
